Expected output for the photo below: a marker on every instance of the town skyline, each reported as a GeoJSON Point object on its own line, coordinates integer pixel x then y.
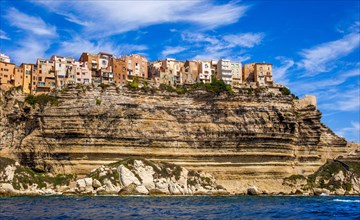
{"type": "Point", "coordinates": [313, 46]}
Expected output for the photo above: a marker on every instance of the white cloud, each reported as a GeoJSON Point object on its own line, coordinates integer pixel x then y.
{"type": "Point", "coordinates": [78, 45]}
{"type": "Point", "coordinates": [3, 35]}
{"type": "Point", "coordinates": [29, 50]}
{"type": "Point", "coordinates": [208, 47]}
{"type": "Point", "coordinates": [353, 132]}
{"type": "Point", "coordinates": [244, 40]}
{"type": "Point", "coordinates": [122, 16]}
{"type": "Point", "coordinates": [281, 73]}
{"type": "Point", "coordinates": [34, 25]}
{"type": "Point", "coordinates": [344, 100]}
{"type": "Point", "coordinates": [321, 58]}
{"type": "Point", "coordinates": [172, 51]}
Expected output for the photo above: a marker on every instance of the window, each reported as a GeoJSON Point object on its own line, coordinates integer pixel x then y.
{"type": "Point", "coordinates": [104, 62]}
{"type": "Point", "coordinates": [59, 64]}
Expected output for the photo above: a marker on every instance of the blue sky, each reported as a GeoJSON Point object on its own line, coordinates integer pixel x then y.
{"type": "Point", "coordinates": [313, 45]}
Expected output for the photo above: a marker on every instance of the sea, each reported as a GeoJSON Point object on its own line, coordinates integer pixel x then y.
{"type": "Point", "coordinates": [180, 207]}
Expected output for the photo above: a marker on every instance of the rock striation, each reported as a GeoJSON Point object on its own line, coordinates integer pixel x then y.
{"type": "Point", "coordinates": [247, 139]}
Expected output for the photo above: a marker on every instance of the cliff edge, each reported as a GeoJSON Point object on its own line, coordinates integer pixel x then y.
{"type": "Point", "coordinates": [253, 138]}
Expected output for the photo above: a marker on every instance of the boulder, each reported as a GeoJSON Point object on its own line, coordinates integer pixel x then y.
{"type": "Point", "coordinates": [319, 191]}
{"type": "Point", "coordinates": [127, 177]}
{"type": "Point", "coordinates": [252, 191]}
{"type": "Point", "coordinates": [145, 173]}
{"type": "Point", "coordinates": [339, 176]}
{"type": "Point", "coordinates": [96, 183]}
{"type": "Point", "coordinates": [142, 190]}
{"type": "Point", "coordinates": [340, 192]}
{"type": "Point", "coordinates": [9, 173]}
{"type": "Point", "coordinates": [7, 189]}
{"type": "Point", "coordinates": [129, 190]}
{"type": "Point", "coordinates": [88, 182]}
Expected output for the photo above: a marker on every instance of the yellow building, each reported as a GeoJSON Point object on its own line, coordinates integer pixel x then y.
{"type": "Point", "coordinates": [260, 73]}
{"type": "Point", "coordinates": [18, 77]}
{"type": "Point", "coordinates": [6, 75]}
{"type": "Point", "coordinates": [28, 71]}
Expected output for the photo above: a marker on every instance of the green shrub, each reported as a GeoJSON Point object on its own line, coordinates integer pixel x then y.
{"type": "Point", "coordinates": [285, 91]}
{"type": "Point", "coordinates": [97, 101]}
{"type": "Point", "coordinates": [42, 100]}
{"type": "Point", "coordinates": [134, 85]}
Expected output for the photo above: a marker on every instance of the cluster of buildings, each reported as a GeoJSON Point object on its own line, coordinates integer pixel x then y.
{"type": "Point", "coordinates": [58, 71]}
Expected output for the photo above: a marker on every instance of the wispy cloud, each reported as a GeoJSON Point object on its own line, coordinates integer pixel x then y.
{"type": "Point", "coordinates": [78, 45]}
{"type": "Point", "coordinates": [3, 35]}
{"type": "Point", "coordinates": [208, 47]}
{"type": "Point", "coordinates": [321, 58]}
{"type": "Point", "coordinates": [172, 51]}
{"type": "Point", "coordinates": [244, 40]}
{"type": "Point", "coordinates": [32, 24]}
{"type": "Point", "coordinates": [137, 14]}
{"type": "Point", "coordinates": [29, 49]}
{"type": "Point", "coordinates": [281, 73]}
{"type": "Point", "coordinates": [353, 131]}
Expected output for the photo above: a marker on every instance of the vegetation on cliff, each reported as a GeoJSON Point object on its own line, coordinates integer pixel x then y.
{"type": "Point", "coordinates": [42, 100]}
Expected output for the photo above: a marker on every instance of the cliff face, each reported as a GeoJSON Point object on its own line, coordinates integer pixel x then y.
{"type": "Point", "coordinates": [242, 139]}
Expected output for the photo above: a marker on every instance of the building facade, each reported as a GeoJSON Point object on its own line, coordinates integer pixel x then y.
{"type": "Point", "coordinates": [263, 74]}
{"type": "Point", "coordinates": [6, 75]}
{"type": "Point", "coordinates": [136, 65]}
{"type": "Point", "coordinates": [224, 71]}
{"type": "Point", "coordinates": [190, 72]}
{"type": "Point", "coordinates": [44, 79]}
{"type": "Point", "coordinates": [205, 71]}
{"type": "Point", "coordinates": [236, 72]}
{"type": "Point", "coordinates": [4, 58]}
{"type": "Point", "coordinates": [120, 71]}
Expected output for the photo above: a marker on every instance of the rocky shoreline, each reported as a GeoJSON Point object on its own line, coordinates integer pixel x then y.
{"type": "Point", "coordinates": [143, 177]}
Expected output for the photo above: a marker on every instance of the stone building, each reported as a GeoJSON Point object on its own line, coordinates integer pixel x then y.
{"type": "Point", "coordinates": [260, 73]}
{"type": "Point", "coordinates": [190, 72]}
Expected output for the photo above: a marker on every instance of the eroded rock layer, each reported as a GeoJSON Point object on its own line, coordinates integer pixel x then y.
{"type": "Point", "coordinates": [242, 139]}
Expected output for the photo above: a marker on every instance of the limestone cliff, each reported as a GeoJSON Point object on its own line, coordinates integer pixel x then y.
{"type": "Point", "coordinates": [244, 139]}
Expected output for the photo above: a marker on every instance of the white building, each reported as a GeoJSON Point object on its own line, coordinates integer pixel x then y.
{"type": "Point", "coordinates": [224, 71]}
{"type": "Point", "coordinates": [205, 71]}
{"type": "Point", "coordinates": [236, 72]}
{"type": "Point", "coordinates": [4, 58]}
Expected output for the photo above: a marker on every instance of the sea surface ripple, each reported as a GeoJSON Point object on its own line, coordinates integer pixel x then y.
{"type": "Point", "coordinates": [180, 207]}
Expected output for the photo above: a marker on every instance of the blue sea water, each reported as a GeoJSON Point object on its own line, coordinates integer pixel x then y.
{"type": "Point", "coordinates": [180, 207]}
